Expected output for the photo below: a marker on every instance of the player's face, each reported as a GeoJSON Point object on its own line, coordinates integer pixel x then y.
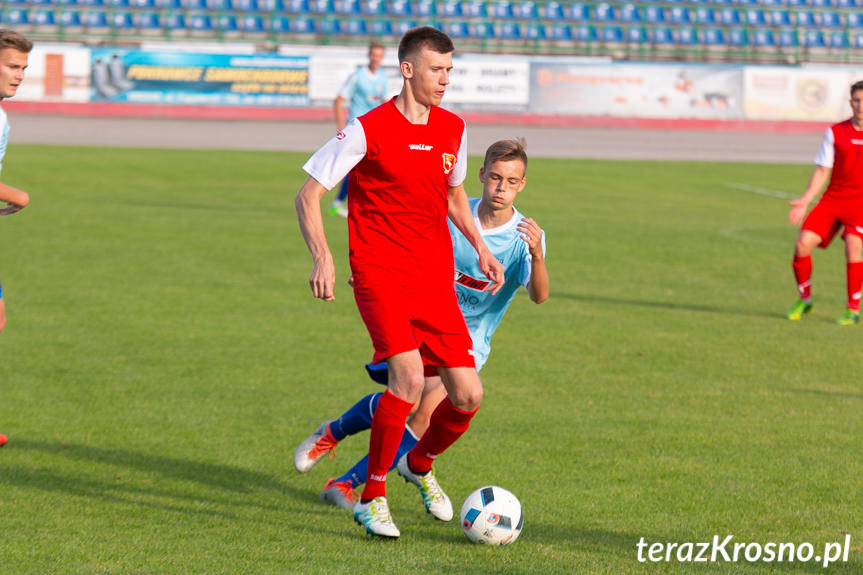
{"type": "Point", "coordinates": [501, 182]}
{"type": "Point", "coordinates": [12, 66]}
{"type": "Point", "coordinates": [376, 56]}
{"type": "Point", "coordinates": [856, 102]}
{"type": "Point", "coordinates": [428, 75]}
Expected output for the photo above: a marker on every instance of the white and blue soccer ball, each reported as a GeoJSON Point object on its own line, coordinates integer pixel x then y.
{"type": "Point", "coordinates": [491, 516]}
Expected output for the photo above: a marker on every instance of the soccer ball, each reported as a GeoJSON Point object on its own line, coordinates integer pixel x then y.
{"type": "Point", "coordinates": [491, 516]}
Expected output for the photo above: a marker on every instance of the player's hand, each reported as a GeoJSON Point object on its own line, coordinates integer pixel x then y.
{"type": "Point", "coordinates": [492, 269]}
{"type": "Point", "coordinates": [351, 280]}
{"type": "Point", "coordinates": [531, 233]}
{"type": "Point", "coordinates": [10, 209]}
{"type": "Point", "coordinates": [798, 211]}
{"type": "Point", "coordinates": [323, 279]}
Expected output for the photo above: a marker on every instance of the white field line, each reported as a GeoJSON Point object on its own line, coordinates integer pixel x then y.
{"type": "Point", "coordinates": [761, 191]}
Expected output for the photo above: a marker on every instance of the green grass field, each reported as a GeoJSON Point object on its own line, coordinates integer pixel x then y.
{"type": "Point", "coordinates": [164, 356]}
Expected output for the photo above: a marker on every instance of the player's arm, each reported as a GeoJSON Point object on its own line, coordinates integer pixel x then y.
{"type": "Point", "coordinates": [461, 216]}
{"type": "Point", "coordinates": [340, 112]}
{"type": "Point", "coordinates": [308, 205]}
{"type": "Point", "coordinates": [531, 233]}
{"type": "Point", "coordinates": [15, 199]}
{"type": "Point", "coordinates": [816, 182]}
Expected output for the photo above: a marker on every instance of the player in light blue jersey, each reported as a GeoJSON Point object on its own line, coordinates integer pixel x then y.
{"type": "Point", "coordinates": [519, 244]}
{"type": "Point", "coordinates": [365, 89]}
{"type": "Point", "coordinates": [14, 51]}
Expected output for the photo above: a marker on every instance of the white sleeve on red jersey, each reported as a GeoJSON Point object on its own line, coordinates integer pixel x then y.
{"type": "Point", "coordinates": [459, 171]}
{"type": "Point", "coordinates": [827, 151]}
{"type": "Point", "coordinates": [332, 162]}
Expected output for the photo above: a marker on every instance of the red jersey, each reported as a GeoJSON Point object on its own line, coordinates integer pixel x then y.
{"type": "Point", "coordinates": [398, 195]}
{"type": "Point", "coordinates": [842, 150]}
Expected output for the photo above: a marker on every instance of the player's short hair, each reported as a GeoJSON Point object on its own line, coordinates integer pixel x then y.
{"type": "Point", "coordinates": [856, 86]}
{"type": "Point", "coordinates": [506, 151]}
{"type": "Point", "coordinates": [376, 45]}
{"type": "Point", "coordinates": [416, 39]}
{"type": "Point", "coordinates": [12, 39]}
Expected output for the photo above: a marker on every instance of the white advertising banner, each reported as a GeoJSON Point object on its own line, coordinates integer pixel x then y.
{"type": "Point", "coordinates": [636, 91]}
{"type": "Point", "coordinates": [803, 94]}
{"type": "Point", "coordinates": [56, 73]}
{"type": "Point", "coordinates": [501, 83]}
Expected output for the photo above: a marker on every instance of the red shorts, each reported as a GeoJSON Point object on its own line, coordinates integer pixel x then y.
{"type": "Point", "coordinates": [831, 215]}
{"type": "Point", "coordinates": [402, 315]}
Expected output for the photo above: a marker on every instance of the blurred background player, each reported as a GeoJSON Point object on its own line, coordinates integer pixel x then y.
{"type": "Point", "coordinates": [407, 161]}
{"type": "Point", "coordinates": [513, 239]}
{"type": "Point", "coordinates": [14, 53]}
{"type": "Point", "coordinates": [365, 89]}
{"type": "Point", "coordinates": [840, 208]}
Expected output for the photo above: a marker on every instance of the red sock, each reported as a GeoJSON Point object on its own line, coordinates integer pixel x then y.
{"type": "Point", "coordinates": [388, 424]}
{"type": "Point", "coordinates": [855, 284]}
{"type": "Point", "coordinates": [803, 275]}
{"type": "Point", "coordinates": [446, 425]}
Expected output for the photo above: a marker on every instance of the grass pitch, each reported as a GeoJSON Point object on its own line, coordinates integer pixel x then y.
{"type": "Point", "coordinates": [164, 356]}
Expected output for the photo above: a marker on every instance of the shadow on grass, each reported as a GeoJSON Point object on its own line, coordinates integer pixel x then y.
{"type": "Point", "coordinates": [218, 484]}
{"type": "Point", "coordinates": [207, 207]}
{"type": "Point", "coordinates": [833, 394]}
{"type": "Point", "coordinates": [591, 298]}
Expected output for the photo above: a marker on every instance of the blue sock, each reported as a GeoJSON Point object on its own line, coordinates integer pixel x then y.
{"type": "Point", "coordinates": [356, 475]}
{"type": "Point", "coordinates": [357, 418]}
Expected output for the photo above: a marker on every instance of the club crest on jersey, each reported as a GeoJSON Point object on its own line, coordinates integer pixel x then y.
{"type": "Point", "coordinates": [465, 280]}
{"type": "Point", "coordinates": [448, 162]}
{"type": "Point", "coordinates": [340, 135]}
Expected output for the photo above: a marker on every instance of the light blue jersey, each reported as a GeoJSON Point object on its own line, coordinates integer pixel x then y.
{"type": "Point", "coordinates": [483, 311]}
{"type": "Point", "coordinates": [364, 91]}
{"type": "Point", "coordinates": [4, 135]}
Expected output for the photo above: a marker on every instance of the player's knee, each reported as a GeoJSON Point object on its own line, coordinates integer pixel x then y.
{"type": "Point", "coordinates": [468, 399]}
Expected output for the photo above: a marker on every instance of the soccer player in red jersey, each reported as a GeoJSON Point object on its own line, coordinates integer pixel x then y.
{"type": "Point", "coordinates": [407, 160]}
{"type": "Point", "coordinates": [840, 208]}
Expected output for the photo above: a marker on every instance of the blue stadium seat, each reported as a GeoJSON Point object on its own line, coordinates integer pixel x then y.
{"type": "Point", "coordinates": [763, 38]}
{"type": "Point", "coordinates": [296, 6]}
{"type": "Point", "coordinates": [838, 39]}
{"type": "Point", "coordinates": [91, 3]}
{"type": "Point", "coordinates": [321, 7]}
{"type": "Point", "coordinates": [475, 9]}
{"type": "Point", "coordinates": [857, 40]}
{"type": "Point", "coordinates": [503, 10]}
{"type": "Point", "coordinates": [854, 19]}
{"type": "Point", "coordinates": [805, 18]}
{"type": "Point", "coordinates": [533, 31]}
{"type": "Point", "coordinates": [779, 18]}
{"type": "Point", "coordinates": [770, 3]}
{"type": "Point", "coordinates": [526, 10]}
{"type": "Point", "coordinates": [147, 21]}
{"type": "Point", "coordinates": [426, 8]}
{"type": "Point", "coordinates": [561, 32]}
{"type": "Point", "coordinates": [848, 3]}
{"type": "Point", "coordinates": [603, 13]}
{"type": "Point", "coordinates": [43, 19]}
{"type": "Point", "coordinates": [251, 24]}
{"type": "Point", "coordinates": [579, 12]}
{"type": "Point", "coordinates": [199, 23]}
{"type": "Point", "coordinates": [348, 7]}
{"type": "Point", "coordinates": [217, 5]}
{"type": "Point", "coordinates": [830, 19]}
{"type": "Point", "coordinates": [143, 4]}
{"type": "Point", "coordinates": [302, 25]}
{"type": "Point", "coordinates": [122, 21]}
{"type": "Point", "coordinates": [636, 35]}
{"type": "Point", "coordinates": [452, 9]}
{"type": "Point", "coordinates": [64, 3]}
{"type": "Point", "coordinates": [244, 5]}
{"type": "Point", "coordinates": [679, 15]}
{"type": "Point", "coordinates": [787, 38]}
{"type": "Point", "coordinates": [819, 3]}
{"type": "Point", "coordinates": [270, 6]}
{"type": "Point", "coordinates": [747, 2]}
{"type": "Point", "coordinates": [228, 24]}
{"type": "Point", "coordinates": [194, 4]}
{"type": "Point", "coordinates": [480, 30]}
{"type": "Point", "coordinates": [117, 3]}
{"type": "Point", "coordinates": [611, 34]}
{"type": "Point", "coordinates": [654, 14]}
{"type": "Point", "coordinates": [629, 13]}
{"type": "Point", "coordinates": [401, 8]}
{"type": "Point", "coordinates": [813, 39]}
{"type": "Point", "coordinates": [737, 37]}
{"type": "Point", "coordinates": [508, 31]}
{"type": "Point", "coordinates": [661, 35]}
{"type": "Point", "coordinates": [70, 19]}
{"type": "Point", "coordinates": [168, 4]}
{"type": "Point", "coordinates": [712, 36]}
{"type": "Point", "coordinates": [95, 20]}
{"type": "Point", "coordinates": [403, 25]}
{"type": "Point", "coordinates": [552, 11]}
{"type": "Point", "coordinates": [327, 27]}
{"type": "Point", "coordinates": [729, 17]}
{"type": "Point", "coordinates": [584, 33]}
{"type": "Point", "coordinates": [687, 36]}
{"type": "Point", "coordinates": [381, 27]}
{"type": "Point", "coordinates": [175, 22]}
{"type": "Point", "coordinates": [705, 16]}
{"type": "Point", "coordinates": [354, 27]}
{"type": "Point", "coordinates": [456, 29]}
{"type": "Point", "coordinates": [795, 3]}
{"type": "Point", "coordinates": [279, 25]}
{"type": "Point", "coordinates": [755, 17]}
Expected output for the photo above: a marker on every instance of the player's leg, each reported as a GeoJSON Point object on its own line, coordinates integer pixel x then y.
{"type": "Point", "coordinates": [2, 310]}
{"type": "Point", "coordinates": [854, 277]}
{"type": "Point", "coordinates": [806, 242]}
{"type": "Point", "coordinates": [448, 422]}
